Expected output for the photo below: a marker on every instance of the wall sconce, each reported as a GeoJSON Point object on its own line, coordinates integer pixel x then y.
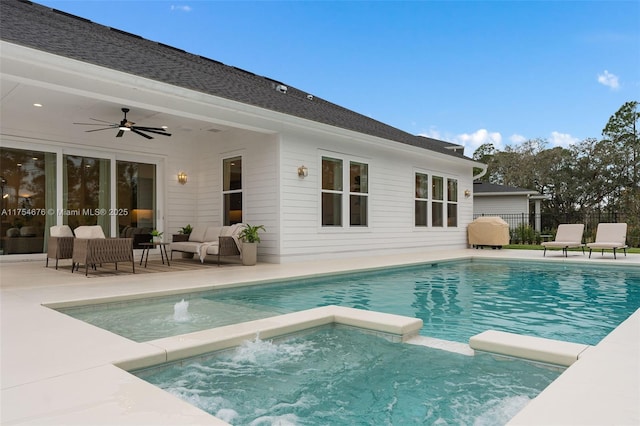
{"type": "Point", "coordinates": [182, 178]}
{"type": "Point", "coordinates": [303, 172]}
{"type": "Point", "coordinates": [467, 193]}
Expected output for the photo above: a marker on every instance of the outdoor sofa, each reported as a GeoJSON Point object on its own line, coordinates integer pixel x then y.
{"type": "Point", "coordinates": [211, 240]}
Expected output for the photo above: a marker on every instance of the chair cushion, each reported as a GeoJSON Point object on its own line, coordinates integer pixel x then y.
{"type": "Point", "coordinates": [61, 231]}
{"type": "Point", "coordinates": [197, 234]}
{"type": "Point", "coordinates": [94, 231]}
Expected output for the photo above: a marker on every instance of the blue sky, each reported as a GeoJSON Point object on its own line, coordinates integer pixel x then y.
{"type": "Point", "coordinates": [468, 72]}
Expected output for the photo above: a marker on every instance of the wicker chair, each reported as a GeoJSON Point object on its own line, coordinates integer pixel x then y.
{"type": "Point", "coordinates": [60, 244]}
{"type": "Point", "coordinates": [97, 250]}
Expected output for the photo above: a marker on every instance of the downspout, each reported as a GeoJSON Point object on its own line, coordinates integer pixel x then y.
{"type": "Point", "coordinates": [482, 173]}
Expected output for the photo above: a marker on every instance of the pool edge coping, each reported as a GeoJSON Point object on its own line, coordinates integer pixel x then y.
{"type": "Point", "coordinates": [169, 349]}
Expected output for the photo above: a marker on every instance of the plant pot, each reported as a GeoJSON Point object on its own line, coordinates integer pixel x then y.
{"type": "Point", "coordinates": [249, 254]}
{"type": "Point", "coordinates": [156, 239]}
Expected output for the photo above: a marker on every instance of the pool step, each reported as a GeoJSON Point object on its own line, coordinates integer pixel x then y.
{"type": "Point", "coordinates": [538, 349]}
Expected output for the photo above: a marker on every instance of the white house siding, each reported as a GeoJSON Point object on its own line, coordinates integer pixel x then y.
{"type": "Point", "coordinates": [391, 199]}
{"type": "Point", "coordinates": [491, 205]}
{"type": "Point", "coordinates": [259, 154]}
{"type": "Point", "coordinates": [513, 208]}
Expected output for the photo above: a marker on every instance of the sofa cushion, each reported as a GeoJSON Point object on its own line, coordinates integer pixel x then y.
{"type": "Point", "coordinates": [186, 246]}
{"type": "Point", "coordinates": [13, 232]}
{"type": "Point", "coordinates": [197, 234]}
{"type": "Point", "coordinates": [28, 231]}
{"type": "Point", "coordinates": [212, 234]}
{"type": "Point", "coordinates": [212, 248]}
{"type": "Point", "coordinates": [61, 231]}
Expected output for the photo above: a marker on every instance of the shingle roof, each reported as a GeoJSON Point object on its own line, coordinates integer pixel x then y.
{"type": "Point", "coordinates": [35, 26]}
{"type": "Point", "coordinates": [480, 187]}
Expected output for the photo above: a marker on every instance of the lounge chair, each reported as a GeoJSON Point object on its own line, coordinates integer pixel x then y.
{"type": "Point", "coordinates": [60, 244]}
{"type": "Point", "coordinates": [91, 248]}
{"type": "Point", "coordinates": [610, 236]}
{"type": "Point", "coordinates": [567, 236]}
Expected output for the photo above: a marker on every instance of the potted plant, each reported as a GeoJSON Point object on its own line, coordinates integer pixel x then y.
{"type": "Point", "coordinates": [250, 239]}
{"type": "Point", "coordinates": [185, 230]}
{"type": "Point", "coordinates": [156, 236]}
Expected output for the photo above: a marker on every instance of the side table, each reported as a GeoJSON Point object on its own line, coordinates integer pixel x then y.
{"type": "Point", "coordinates": [163, 251]}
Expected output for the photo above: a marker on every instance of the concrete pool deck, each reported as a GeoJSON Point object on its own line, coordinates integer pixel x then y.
{"type": "Point", "coordinates": [56, 370]}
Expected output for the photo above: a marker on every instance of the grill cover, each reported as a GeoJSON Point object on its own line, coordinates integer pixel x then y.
{"type": "Point", "coordinates": [488, 231]}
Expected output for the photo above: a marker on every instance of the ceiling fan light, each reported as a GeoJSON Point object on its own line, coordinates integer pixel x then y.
{"type": "Point", "coordinates": [125, 128]}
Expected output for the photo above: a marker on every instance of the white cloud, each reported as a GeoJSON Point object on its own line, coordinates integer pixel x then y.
{"type": "Point", "coordinates": [432, 133]}
{"type": "Point", "coordinates": [609, 80]}
{"type": "Point", "coordinates": [562, 139]}
{"type": "Point", "coordinates": [471, 141]}
{"type": "Point", "coordinates": [517, 139]}
{"type": "Point", "coordinates": [181, 8]}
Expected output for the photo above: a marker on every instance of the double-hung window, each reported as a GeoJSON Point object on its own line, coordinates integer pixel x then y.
{"type": "Point", "coordinates": [437, 201]}
{"type": "Point", "coordinates": [421, 199]}
{"type": "Point", "coordinates": [334, 184]}
{"type": "Point", "coordinates": [232, 190]}
{"type": "Point", "coordinates": [452, 202]}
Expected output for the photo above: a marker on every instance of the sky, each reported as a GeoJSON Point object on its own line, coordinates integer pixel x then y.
{"type": "Point", "coordinates": [467, 72]}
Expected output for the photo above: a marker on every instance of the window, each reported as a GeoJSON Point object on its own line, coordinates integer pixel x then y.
{"type": "Point", "coordinates": [331, 192]}
{"type": "Point", "coordinates": [87, 192]}
{"type": "Point", "coordinates": [421, 199]}
{"type": "Point", "coordinates": [437, 203]}
{"type": "Point", "coordinates": [358, 194]}
{"type": "Point", "coordinates": [334, 182]}
{"type": "Point", "coordinates": [452, 202]}
{"type": "Point", "coordinates": [136, 196]}
{"type": "Point", "coordinates": [28, 185]}
{"type": "Point", "coordinates": [232, 190]}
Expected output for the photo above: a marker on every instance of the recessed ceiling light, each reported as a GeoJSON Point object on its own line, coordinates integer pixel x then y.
{"type": "Point", "coordinates": [37, 105]}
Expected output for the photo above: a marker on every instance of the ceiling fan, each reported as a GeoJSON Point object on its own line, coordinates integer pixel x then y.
{"type": "Point", "coordinates": [126, 126]}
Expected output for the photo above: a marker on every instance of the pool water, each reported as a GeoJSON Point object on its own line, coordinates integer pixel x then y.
{"type": "Point", "coordinates": [456, 300]}
{"type": "Point", "coordinates": [339, 376]}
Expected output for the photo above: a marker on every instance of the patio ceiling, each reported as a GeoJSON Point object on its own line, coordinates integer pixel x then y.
{"type": "Point", "coordinates": [60, 109]}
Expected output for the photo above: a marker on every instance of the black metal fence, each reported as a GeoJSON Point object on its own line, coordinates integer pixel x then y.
{"type": "Point", "coordinates": [533, 229]}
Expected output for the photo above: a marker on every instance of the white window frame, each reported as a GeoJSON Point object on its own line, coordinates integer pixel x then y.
{"type": "Point", "coordinates": [345, 193]}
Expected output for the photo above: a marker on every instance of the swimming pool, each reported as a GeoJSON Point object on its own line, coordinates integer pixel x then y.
{"type": "Point", "coordinates": [456, 300]}
{"type": "Point", "coordinates": [325, 377]}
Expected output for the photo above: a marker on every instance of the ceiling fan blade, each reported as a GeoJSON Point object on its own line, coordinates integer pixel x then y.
{"type": "Point", "coordinates": [140, 133]}
{"type": "Point", "coordinates": [92, 124]}
{"type": "Point", "coordinates": [102, 121]}
{"type": "Point", "coordinates": [145, 128]}
{"type": "Point", "coordinates": [120, 133]}
{"type": "Point", "coordinates": [97, 130]}
{"type": "Point", "coordinates": [157, 131]}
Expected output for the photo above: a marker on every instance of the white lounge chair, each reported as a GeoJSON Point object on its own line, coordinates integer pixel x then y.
{"type": "Point", "coordinates": [568, 235]}
{"type": "Point", "coordinates": [610, 236]}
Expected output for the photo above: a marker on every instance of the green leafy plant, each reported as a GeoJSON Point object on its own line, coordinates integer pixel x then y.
{"type": "Point", "coordinates": [186, 230]}
{"type": "Point", "coordinates": [249, 234]}
{"type": "Point", "coordinates": [156, 233]}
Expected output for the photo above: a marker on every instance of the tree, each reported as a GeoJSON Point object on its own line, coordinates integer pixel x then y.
{"type": "Point", "coordinates": [622, 140]}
